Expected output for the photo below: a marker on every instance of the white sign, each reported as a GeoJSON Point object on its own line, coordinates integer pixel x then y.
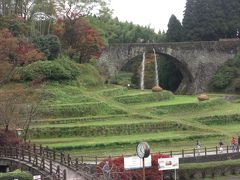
{"type": "Point", "coordinates": [134, 162]}
{"type": "Point", "coordinates": [37, 177]}
{"type": "Point", "coordinates": [168, 163]}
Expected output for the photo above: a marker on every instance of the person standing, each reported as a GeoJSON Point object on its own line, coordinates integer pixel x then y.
{"type": "Point", "coordinates": [106, 171]}
{"type": "Point", "coordinates": [221, 146]}
{"type": "Point", "coordinates": [198, 146]}
{"type": "Point", "coordinates": [233, 144]}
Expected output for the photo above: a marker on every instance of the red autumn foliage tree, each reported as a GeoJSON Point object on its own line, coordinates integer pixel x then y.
{"type": "Point", "coordinates": [9, 138]}
{"type": "Point", "coordinates": [81, 41]}
{"type": "Point", "coordinates": [15, 52]}
{"type": "Point", "coordinates": [117, 170]}
{"type": "Point", "coordinates": [18, 107]}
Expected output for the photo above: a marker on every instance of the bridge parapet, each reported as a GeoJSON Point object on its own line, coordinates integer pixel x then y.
{"type": "Point", "coordinates": [197, 45]}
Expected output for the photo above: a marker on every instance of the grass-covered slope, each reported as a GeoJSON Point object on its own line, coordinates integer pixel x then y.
{"type": "Point", "coordinates": [86, 116]}
{"type": "Point", "coordinates": [112, 119]}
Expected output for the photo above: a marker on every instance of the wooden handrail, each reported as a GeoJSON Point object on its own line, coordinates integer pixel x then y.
{"type": "Point", "coordinates": [49, 159]}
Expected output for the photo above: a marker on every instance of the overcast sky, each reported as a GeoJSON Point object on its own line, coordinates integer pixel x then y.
{"type": "Point", "coordinates": [155, 13]}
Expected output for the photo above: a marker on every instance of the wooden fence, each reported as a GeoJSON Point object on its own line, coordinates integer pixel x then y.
{"type": "Point", "coordinates": [53, 162]}
{"type": "Point", "coordinates": [28, 154]}
{"type": "Point", "coordinates": [203, 151]}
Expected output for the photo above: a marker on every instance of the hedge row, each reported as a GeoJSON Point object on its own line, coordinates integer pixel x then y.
{"type": "Point", "coordinates": [115, 91]}
{"type": "Point", "coordinates": [107, 130]}
{"type": "Point", "coordinates": [20, 175]}
{"type": "Point", "coordinates": [220, 119]}
{"type": "Point", "coordinates": [78, 110]}
{"type": "Point", "coordinates": [78, 119]}
{"type": "Point", "coordinates": [60, 69]}
{"type": "Point", "coordinates": [133, 143]}
{"type": "Point", "coordinates": [185, 107]}
{"type": "Point", "coordinates": [147, 97]}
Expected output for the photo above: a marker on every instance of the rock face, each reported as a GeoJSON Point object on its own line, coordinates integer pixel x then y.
{"type": "Point", "coordinates": [203, 97]}
{"type": "Point", "coordinates": [197, 61]}
{"type": "Point", "coordinates": [157, 89]}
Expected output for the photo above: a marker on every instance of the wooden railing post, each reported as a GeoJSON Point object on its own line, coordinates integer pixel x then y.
{"type": "Point", "coordinates": [11, 152]}
{"type": "Point", "coordinates": [41, 149]}
{"type": "Point", "coordinates": [64, 174]}
{"type": "Point", "coordinates": [96, 160]}
{"type": "Point", "coordinates": [171, 153]}
{"type": "Point", "coordinates": [36, 160]}
{"type": "Point", "coordinates": [182, 153]}
{"type": "Point", "coordinates": [61, 157]}
{"type": "Point", "coordinates": [50, 168]}
{"type": "Point", "coordinates": [194, 152]}
{"type": "Point", "coordinates": [47, 151]}
{"type": "Point", "coordinates": [58, 171]}
{"type": "Point", "coordinates": [5, 151]}
{"type": "Point", "coordinates": [82, 159]}
{"type": "Point", "coordinates": [43, 163]}
{"type": "Point", "coordinates": [34, 148]}
{"type": "Point", "coordinates": [23, 154]}
{"type": "Point", "coordinates": [54, 155]}
{"type": "Point", "coordinates": [17, 151]}
{"type": "Point", "coordinates": [76, 163]}
{"type": "Point", "coordinates": [29, 155]}
{"type": "Point", "coordinates": [205, 151]}
{"type": "Point", "coordinates": [68, 160]}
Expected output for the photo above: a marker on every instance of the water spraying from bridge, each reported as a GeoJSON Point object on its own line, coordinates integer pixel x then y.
{"type": "Point", "coordinates": [142, 72]}
{"type": "Point", "coordinates": [156, 68]}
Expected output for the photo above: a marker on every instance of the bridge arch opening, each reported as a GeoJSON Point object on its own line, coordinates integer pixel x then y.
{"type": "Point", "coordinates": [173, 74]}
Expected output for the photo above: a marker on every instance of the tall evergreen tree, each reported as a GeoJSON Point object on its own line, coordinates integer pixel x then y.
{"type": "Point", "coordinates": [232, 16]}
{"type": "Point", "coordinates": [211, 19]}
{"type": "Point", "coordinates": [174, 32]}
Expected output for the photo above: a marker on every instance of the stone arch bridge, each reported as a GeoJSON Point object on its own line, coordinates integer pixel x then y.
{"type": "Point", "coordinates": [197, 61]}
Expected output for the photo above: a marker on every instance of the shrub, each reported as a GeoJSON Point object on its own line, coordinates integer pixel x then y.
{"type": "Point", "coordinates": [8, 138]}
{"type": "Point", "coordinates": [220, 119]}
{"type": "Point", "coordinates": [20, 175]}
{"type": "Point", "coordinates": [188, 107]}
{"type": "Point", "coordinates": [60, 69]}
{"type": "Point", "coordinates": [122, 78]}
{"type": "Point", "coordinates": [50, 45]}
{"type": "Point", "coordinates": [237, 85]}
{"type": "Point", "coordinates": [114, 92]}
{"type": "Point", "coordinates": [118, 171]}
{"type": "Point", "coordinates": [15, 24]}
{"type": "Point", "coordinates": [147, 97]}
{"type": "Point", "coordinates": [225, 74]}
{"type": "Point", "coordinates": [223, 77]}
{"type": "Point", "coordinates": [89, 76]}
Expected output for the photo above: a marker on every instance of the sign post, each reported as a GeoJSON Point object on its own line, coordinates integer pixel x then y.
{"type": "Point", "coordinates": [143, 151]}
{"type": "Point", "coordinates": [169, 164]}
{"type": "Point", "coordinates": [175, 174]}
{"type": "Point", "coordinates": [144, 176]}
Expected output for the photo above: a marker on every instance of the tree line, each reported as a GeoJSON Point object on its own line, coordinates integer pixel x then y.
{"type": "Point", "coordinates": [206, 20]}
{"type": "Point", "coordinates": [114, 31]}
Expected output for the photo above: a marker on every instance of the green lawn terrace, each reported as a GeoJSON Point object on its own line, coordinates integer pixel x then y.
{"type": "Point", "coordinates": [111, 120]}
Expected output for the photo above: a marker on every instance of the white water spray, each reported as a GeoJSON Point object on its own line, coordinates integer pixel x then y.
{"type": "Point", "coordinates": [156, 69]}
{"type": "Point", "coordinates": [142, 72]}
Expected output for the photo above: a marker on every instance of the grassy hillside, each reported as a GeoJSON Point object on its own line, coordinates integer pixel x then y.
{"type": "Point", "coordinates": [86, 116]}
{"type": "Point", "coordinates": [112, 119]}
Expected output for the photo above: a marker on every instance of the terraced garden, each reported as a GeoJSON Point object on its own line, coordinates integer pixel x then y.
{"type": "Point", "coordinates": [111, 120]}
